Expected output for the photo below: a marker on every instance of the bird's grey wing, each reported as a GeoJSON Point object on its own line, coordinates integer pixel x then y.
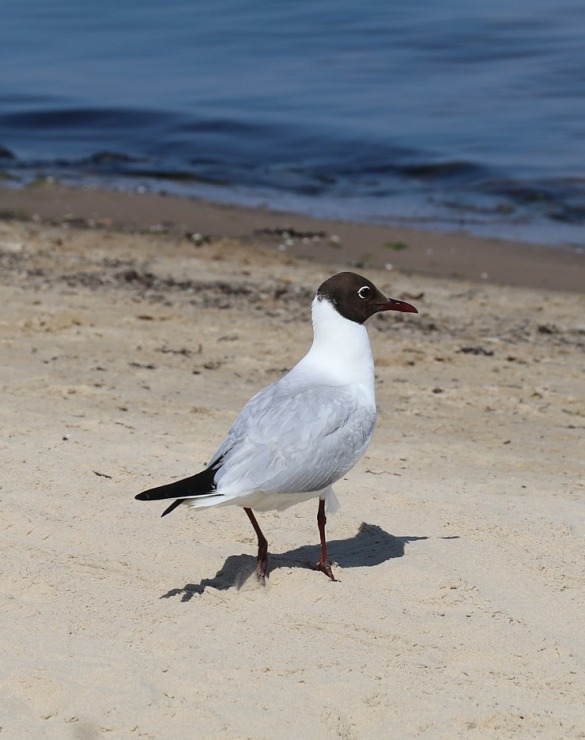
{"type": "Point", "coordinates": [297, 440]}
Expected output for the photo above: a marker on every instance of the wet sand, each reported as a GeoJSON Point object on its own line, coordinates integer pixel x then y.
{"type": "Point", "coordinates": [430, 253]}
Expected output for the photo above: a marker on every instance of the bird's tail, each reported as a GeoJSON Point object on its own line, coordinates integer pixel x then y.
{"type": "Point", "coordinates": [201, 484]}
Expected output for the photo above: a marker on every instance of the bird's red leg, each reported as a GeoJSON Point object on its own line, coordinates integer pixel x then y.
{"type": "Point", "coordinates": [324, 564]}
{"type": "Point", "coordinates": [262, 562]}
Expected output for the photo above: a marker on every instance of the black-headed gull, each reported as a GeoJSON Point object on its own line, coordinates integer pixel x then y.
{"type": "Point", "coordinates": [299, 435]}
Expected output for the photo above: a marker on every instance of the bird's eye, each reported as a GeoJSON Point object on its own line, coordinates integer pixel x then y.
{"type": "Point", "coordinates": [364, 292]}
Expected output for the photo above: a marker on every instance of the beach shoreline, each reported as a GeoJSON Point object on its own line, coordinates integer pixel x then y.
{"type": "Point", "coordinates": [459, 256]}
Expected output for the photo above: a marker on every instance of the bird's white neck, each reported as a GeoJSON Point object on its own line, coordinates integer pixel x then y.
{"type": "Point", "coordinates": [341, 350]}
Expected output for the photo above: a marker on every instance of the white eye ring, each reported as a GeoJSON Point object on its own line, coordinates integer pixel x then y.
{"type": "Point", "coordinates": [364, 292]}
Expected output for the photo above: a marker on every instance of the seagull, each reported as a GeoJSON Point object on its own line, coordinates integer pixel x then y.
{"type": "Point", "coordinates": [301, 434]}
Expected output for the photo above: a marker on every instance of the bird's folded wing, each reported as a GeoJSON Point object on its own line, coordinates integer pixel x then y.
{"type": "Point", "coordinates": [294, 441]}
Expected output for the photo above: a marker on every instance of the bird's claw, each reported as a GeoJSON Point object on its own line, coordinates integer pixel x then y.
{"type": "Point", "coordinates": [325, 567]}
{"type": "Point", "coordinates": [261, 571]}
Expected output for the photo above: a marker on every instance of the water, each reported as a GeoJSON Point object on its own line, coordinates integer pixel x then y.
{"type": "Point", "coordinates": [443, 115]}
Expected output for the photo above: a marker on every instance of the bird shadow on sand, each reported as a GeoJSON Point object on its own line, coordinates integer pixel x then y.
{"type": "Point", "coordinates": [369, 547]}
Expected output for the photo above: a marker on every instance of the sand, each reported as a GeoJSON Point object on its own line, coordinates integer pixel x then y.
{"type": "Point", "coordinates": [460, 605]}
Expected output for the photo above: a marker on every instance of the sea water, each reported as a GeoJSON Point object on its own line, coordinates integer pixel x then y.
{"type": "Point", "coordinates": [447, 115]}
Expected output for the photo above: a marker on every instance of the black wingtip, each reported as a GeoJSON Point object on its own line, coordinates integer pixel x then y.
{"type": "Point", "coordinates": [200, 484]}
{"type": "Point", "coordinates": [172, 507]}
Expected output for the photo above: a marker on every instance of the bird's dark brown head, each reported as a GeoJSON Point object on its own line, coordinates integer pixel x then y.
{"type": "Point", "coordinates": [356, 298]}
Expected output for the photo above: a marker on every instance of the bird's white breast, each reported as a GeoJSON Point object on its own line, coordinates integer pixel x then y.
{"type": "Point", "coordinates": [340, 353]}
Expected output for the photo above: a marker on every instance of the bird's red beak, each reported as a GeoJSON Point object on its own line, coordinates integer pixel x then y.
{"type": "Point", "coordinates": [393, 305]}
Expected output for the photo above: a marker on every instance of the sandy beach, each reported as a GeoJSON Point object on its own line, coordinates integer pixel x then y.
{"type": "Point", "coordinates": [133, 329]}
